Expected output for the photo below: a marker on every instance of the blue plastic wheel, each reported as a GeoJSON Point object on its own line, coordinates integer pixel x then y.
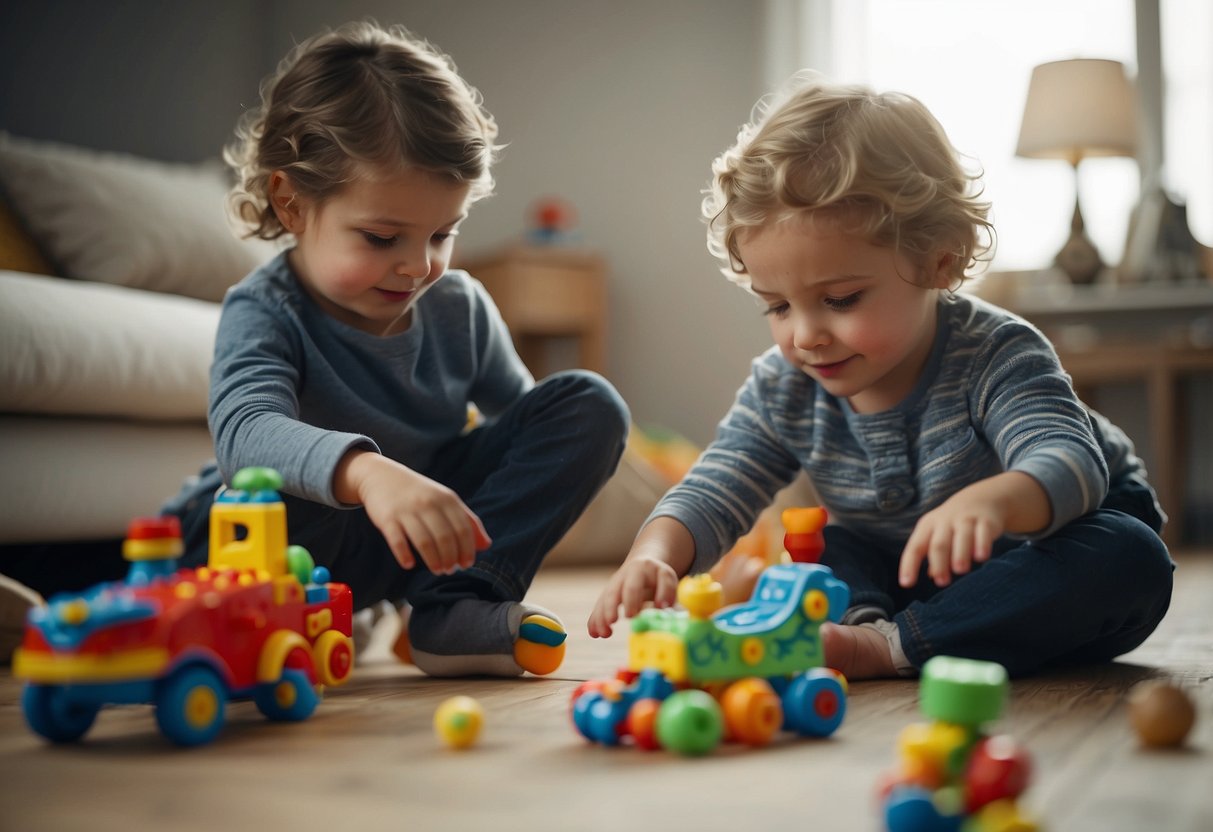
{"type": "Point", "coordinates": [911, 809]}
{"type": "Point", "coordinates": [190, 705]}
{"type": "Point", "coordinates": [815, 703]}
{"type": "Point", "coordinates": [51, 713]}
{"type": "Point", "coordinates": [292, 698]}
{"type": "Point", "coordinates": [598, 718]}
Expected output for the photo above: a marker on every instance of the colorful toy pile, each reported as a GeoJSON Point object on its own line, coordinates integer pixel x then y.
{"type": "Point", "coordinates": [953, 776]}
{"type": "Point", "coordinates": [702, 674]}
{"type": "Point", "coordinates": [258, 622]}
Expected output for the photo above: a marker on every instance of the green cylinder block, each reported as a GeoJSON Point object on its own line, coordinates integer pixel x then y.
{"type": "Point", "coordinates": [962, 691]}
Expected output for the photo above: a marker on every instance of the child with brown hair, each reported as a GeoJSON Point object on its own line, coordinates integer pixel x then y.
{"type": "Point", "coordinates": [349, 362]}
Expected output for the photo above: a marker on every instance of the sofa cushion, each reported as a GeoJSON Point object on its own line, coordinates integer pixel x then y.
{"type": "Point", "coordinates": [69, 347]}
{"type": "Point", "coordinates": [125, 220]}
{"type": "Point", "coordinates": [69, 478]}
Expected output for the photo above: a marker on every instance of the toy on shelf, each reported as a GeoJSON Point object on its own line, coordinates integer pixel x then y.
{"type": "Point", "coordinates": [554, 222]}
{"type": "Point", "coordinates": [258, 622]}
{"type": "Point", "coordinates": [458, 721]}
{"type": "Point", "coordinates": [705, 673]}
{"type": "Point", "coordinates": [1161, 714]}
{"type": "Point", "coordinates": [952, 775]}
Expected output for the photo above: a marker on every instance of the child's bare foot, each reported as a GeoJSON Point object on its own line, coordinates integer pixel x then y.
{"type": "Point", "coordinates": [858, 652]}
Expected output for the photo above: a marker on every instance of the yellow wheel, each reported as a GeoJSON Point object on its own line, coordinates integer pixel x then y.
{"type": "Point", "coordinates": [816, 605]}
{"type": "Point", "coordinates": [333, 656]}
{"type": "Point", "coordinates": [752, 650]}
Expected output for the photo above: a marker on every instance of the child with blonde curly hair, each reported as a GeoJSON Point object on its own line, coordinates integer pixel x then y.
{"type": "Point", "coordinates": [977, 508]}
{"type": "Point", "coordinates": [349, 361]}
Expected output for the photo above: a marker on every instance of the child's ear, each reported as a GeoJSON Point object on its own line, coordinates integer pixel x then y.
{"type": "Point", "coordinates": [941, 270]}
{"type": "Point", "coordinates": [286, 202]}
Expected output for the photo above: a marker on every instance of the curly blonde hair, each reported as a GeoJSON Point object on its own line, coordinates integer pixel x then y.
{"type": "Point", "coordinates": [878, 165]}
{"type": "Point", "coordinates": [358, 95]}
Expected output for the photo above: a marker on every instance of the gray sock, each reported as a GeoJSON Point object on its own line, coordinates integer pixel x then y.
{"type": "Point", "coordinates": [471, 637]}
{"type": "Point", "coordinates": [864, 614]}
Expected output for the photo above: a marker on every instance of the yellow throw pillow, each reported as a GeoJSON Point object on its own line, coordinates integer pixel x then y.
{"type": "Point", "coordinates": [18, 251]}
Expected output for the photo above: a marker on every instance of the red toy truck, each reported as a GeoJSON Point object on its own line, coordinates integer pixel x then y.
{"type": "Point", "coordinates": [258, 622]}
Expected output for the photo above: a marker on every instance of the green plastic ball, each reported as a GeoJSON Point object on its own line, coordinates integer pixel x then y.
{"type": "Point", "coordinates": [690, 722]}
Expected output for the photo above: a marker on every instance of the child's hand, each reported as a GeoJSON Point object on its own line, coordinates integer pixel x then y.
{"type": "Point", "coordinates": [409, 508]}
{"type": "Point", "coordinates": [662, 553]}
{"type": "Point", "coordinates": [950, 539]}
{"type": "Point", "coordinates": [962, 531]}
{"type": "Point", "coordinates": [638, 581]}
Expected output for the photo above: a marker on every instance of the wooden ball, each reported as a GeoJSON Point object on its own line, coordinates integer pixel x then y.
{"type": "Point", "coordinates": [1161, 714]}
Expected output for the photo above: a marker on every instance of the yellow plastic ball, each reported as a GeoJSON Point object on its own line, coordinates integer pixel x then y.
{"type": "Point", "coordinates": [458, 721]}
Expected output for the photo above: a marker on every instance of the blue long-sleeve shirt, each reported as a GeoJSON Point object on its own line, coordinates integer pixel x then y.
{"type": "Point", "coordinates": [992, 398]}
{"type": "Point", "coordinates": [294, 389]}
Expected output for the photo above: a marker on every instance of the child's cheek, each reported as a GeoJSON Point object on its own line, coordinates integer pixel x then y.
{"type": "Point", "coordinates": [352, 276]}
{"type": "Point", "coordinates": [783, 336]}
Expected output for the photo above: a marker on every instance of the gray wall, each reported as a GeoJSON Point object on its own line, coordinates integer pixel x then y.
{"type": "Point", "coordinates": [617, 106]}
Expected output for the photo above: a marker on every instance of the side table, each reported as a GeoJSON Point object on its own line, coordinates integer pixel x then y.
{"type": "Point", "coordinates": [546, 294]}
{"type": "Point", "coordinates": [1154, 334]}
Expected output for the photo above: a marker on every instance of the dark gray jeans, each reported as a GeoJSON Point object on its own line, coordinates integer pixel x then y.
{"type": "Point", "coordinates": [528, 475]}
{"type": "Point", "coordinates": [1093, 590]}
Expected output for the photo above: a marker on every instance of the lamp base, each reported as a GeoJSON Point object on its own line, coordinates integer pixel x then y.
{"type": "Point", "coordinates": [1079, 258]}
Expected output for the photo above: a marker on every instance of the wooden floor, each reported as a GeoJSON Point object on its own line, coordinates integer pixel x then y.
{"type": "Point", "coordinates": [368, 758]}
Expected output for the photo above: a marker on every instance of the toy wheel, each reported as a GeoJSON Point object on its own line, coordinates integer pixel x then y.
{"type": "Point", "coordinates": [588, 686]}
{"type": "Point", "coordinates": [291, 699]}
{"type": "Point", "coordinates": [642, 723]}
{"type": "Point", "coordinates": [190, 704]}
{"type": "Point", "coordinates": [752, 711]}
{"type": "Point", "coordinates": [910, 808]}
{"type": "Point", "coordinates": [51, 714]}
{"type": "Point", "coordinates": [690, 722]}
{"type": "Point", "coordinates": [962, 691]}
{"type": "Point", "coordinates": [333, 656]}
{"type": "Point", "coordinates": [815, 703]}
{"type": "Point", "coordinates": [600, 717]}
{"type": "Point", "coordinates": [582, 703]}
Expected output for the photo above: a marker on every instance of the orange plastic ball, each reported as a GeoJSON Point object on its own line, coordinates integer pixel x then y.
{"type": "Point", "coordinates": [753, 712]}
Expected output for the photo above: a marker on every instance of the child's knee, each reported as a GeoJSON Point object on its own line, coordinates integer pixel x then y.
{"type": "Point", "coordinates": [592, 405]}
{"type": "Point", "coordinates": [1137, 555]}
{"type": "Point", "coordinates": [598, 403]}
{"type": "Point", "coordinates": [1138, 541]}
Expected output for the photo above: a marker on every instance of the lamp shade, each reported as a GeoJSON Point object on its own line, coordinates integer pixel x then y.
{"type": "Point", "coordinates": [1079, 108]}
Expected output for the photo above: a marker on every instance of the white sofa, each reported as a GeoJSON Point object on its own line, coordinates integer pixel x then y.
{"type": "Point", "coordinates": [111, 270]}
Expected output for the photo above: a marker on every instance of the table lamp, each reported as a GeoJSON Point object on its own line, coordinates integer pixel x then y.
{"type": "Point", "coordinates": [1078, 109]}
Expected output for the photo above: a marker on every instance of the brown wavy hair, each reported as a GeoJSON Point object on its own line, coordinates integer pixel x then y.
{"type": "Point", "coordinates": [358, 95]}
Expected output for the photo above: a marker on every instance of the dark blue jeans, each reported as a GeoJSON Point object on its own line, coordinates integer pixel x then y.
{"type": "Point", "coordinates": [528, 475]}
{"type": "Point", "coordinates": [1093, 590]}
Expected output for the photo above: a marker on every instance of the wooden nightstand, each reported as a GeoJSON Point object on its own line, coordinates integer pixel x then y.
{"type": "Point", "coordinates": [546, 295]}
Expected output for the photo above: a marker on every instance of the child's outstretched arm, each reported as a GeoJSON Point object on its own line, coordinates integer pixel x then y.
{"type": "Point", "coordinates": [407, 508]}
{"type": "Point", "coordinates": [963, 529]}
{"type": "Point", "coordinates": [662, 554]}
